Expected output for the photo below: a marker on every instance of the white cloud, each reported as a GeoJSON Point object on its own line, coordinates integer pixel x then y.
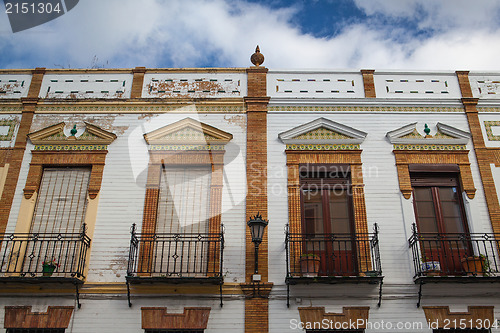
{"type": "Point", "coordinates": [160, 33]}
{"type": "Point", "coordinates": [437, 14]}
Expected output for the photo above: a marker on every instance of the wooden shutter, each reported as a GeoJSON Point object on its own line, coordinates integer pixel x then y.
{"type": "Point", "coordinates": [62, 200]}
{"type": "Point", "coordinates": [184, 200]}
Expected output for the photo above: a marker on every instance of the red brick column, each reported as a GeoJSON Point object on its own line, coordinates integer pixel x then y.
{"type": "Point", "coordinates": [369, 83]}
{"type": "Point", "coordinates": [256, 308]}
{"type": "Point", "coordinates": [14, 156]}
{"type": "Point", "coordinates": [484, 155]}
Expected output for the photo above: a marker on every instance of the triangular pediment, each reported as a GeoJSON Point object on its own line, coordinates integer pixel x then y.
{"type": "Point", "coordinates": [55, 135]}
{"type": "Point", "coordinates": [322, 131]}
{"type": "Point", "coordinates": [187, 132]}
{"type": "Point", "coordinates": [445, 135]}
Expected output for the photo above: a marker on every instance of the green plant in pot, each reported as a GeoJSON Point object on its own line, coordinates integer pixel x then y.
{"type": "Point", "coordinates": [49, 266]}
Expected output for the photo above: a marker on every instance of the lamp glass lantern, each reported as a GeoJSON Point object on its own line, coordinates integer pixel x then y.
{"type": "Point", "coordinates": [257, 226]}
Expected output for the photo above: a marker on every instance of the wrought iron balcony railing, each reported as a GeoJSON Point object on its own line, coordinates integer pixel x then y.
{"type": "Point", "coordinates": [176, 257]}
{"type": "Point", "coordinates": [34, 255]}
{"type": "Point", "coordinates": [332, 256]}
{"type": "Point", "coordinates": [454, 255]}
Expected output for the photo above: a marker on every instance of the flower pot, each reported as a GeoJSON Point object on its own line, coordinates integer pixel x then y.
{"type": "Point", "coordinates": [431, 268]}
{"type": "Point", "coordinates": [309, 266]}
{"type": "Point", "coordinates": [47, 270]}
{"type": "Point", "coordinates": [473, 265]}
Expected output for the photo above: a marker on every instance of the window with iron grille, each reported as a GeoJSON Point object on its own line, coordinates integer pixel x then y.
{"type": "Point", "coordinates": [184, 201]}
{"type": "Point", "coordinates": [335, 331]}
{"type": "Point", "coordinates": [61, 201]}
{"type": "Point", "coordinates": [174, 331]}
{"type": "Point", "coordinates": [468, 330]}
{"type": "Point", "coordinates": [36, 330]}
{"type": "Point", "coordinates": [57, 222]}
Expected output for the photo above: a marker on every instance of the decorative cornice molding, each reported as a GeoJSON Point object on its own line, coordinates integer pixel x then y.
{"type": "Point", "coordinates": [349, 315]}
{"type": "Point", "coordinates": [54, 135]}
{"type": "Point", "coordinates": [156, 318]}
{"type": "Point", "coordinates": [22, 317]}
{"type": "Point", "coordinates": [446, 135]}
{"type": "Point", "coordinates": [340, 134]}
{"type": "Point", "coordinates": [187, 132]}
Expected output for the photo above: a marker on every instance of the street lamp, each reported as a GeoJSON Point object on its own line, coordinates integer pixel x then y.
{"type": "Point", "coordinates": [257, 226]}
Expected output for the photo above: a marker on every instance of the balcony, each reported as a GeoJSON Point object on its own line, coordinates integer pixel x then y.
{"type": "Point", "coordinates": [44, 258]}
{"type": "Point", "coordinates": [333, 258]}
{"type": "Point", "coordinates": [454, 257]}
{"type": "Point", "coordinates": [175, 258]}
{"type": "Point", "coordinates": [457, 257]}
{"type": "Point", "coordinates": [28, 257]}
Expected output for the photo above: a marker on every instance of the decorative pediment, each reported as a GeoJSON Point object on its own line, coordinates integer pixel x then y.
{"type": "Point", "coordinates": [445, 135]}
{"type": "Point", "coordinates": [187, 134]}
{"type": "Point", "coordinates": [55, 138]}
{"type": "Point", "coordinates": [322, 134]}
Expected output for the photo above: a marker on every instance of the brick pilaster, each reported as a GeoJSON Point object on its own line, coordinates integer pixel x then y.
{"type": "Point", "coordinates": [137, 82]}
{"type": "Point", "coordinates": [369, 83]}
{"type": "Point", "coordinates": [463, 81]}
{"type": "Point", "coordinates": [14, 156]}
{"type": "Point", "coordinates": [484, 156]}
{"type": "Point", "coordinates": [256, 308]}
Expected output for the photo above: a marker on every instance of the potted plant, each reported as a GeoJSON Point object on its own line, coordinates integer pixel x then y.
{"type": "Point", "coordinates": [49, 266]}
{"type": "Point", "coordinates": [309, 264]}
{"type": "Point", "coordinates": [430, 267]}
{"type": "Point", "coordinates": [474, 265]}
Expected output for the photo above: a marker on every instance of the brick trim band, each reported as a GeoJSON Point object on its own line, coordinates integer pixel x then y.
{"type": "Point", "coordinates": [23, 317]}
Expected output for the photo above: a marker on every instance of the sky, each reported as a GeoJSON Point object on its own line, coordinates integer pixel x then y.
{"type": "Point", "coordinates": [294, 34]}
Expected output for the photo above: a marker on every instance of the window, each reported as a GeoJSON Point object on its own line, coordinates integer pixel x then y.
{"type": "Point", "coordinates": [61, 201]}
{"type": "Point", "coordinates": [335, 331]}
{"type": "Point", "coordinates": [440, 215]}
{"type": "Point", "coordinates": [174, 331]}
{"type": "Point", "coordinates": [327, 217]}
{"type": "Point", "coordinates": [461, 331]}
{"type": "Point", "coordinates": [36, 330]}
{"type": "Point", "coordinates": [184, 199]}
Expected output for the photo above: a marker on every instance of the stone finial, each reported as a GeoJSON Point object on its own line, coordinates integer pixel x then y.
{"type": "Point", "coordinates": [427, 130]}
{"type": "Point", "coordinates": [257, 58]}
{"type": "Point", "coordinates": [73, 131]}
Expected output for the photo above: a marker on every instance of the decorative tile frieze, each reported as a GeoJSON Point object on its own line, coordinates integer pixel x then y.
{"type": "Point", "coordinates": [70, 147]}
{"type": "Point", "coordinates": [429, 147]}
{"type": "Point", "coordinates": [487, 109]}
{"type": "Point", "coordinates": [363, 108]}
{"type": "Point", "coordinates": [11, 109]}
{"type": "Point", "coordinates": [321, 134]}
{"type": "Point", "coordinates": [10, 132]}
{"type": "Point", "coordinates": [322, 147]}
{"type": "Point", "coordinates": [186, 147]}
{"type": "Point", "coordinates": [183, 108]}
{"type": "Point", "coordinates": [489, 131]}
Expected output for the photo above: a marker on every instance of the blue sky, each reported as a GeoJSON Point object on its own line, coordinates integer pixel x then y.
{"type": "Point", "coordinates": [295, 34]}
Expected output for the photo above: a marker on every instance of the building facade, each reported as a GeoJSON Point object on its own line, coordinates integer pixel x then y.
{"type": "Point", "coordinates": [125, 196]}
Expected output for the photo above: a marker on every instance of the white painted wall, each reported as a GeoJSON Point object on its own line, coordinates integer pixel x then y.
{"type": "Point", "coordinates": [417, 85]}
{"type": "Point", "coordinates": [77, 86]}
{"type": "Point", "coordinates": [4, 129]}
{"type": "Point", "coordinates": [314, 84]}
{"type": "Point", "coordinates": [386, 206]}
{"type": "Point", "coordinates": [111, 314]}
{"type": "Point", "coordinates": [490, 117]}
{"type": "Point", "coordinates": [195, 85]}
{"type": "Point", "coordinates": [485, 85]}
{"type": "Point", "coordinates": [121, 199]}
{"type": "Point", "coordinates": [14, 85]}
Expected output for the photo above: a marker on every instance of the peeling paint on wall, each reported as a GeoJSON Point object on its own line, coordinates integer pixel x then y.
{"type": "Point", "coordinates": [238, 120]}
{"type": "Point", "coordinates": [217, 85]}
{"type": "Point", "coordinates": [14, 86]}
{"type": "Point", "coordinates": [105, 122]}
